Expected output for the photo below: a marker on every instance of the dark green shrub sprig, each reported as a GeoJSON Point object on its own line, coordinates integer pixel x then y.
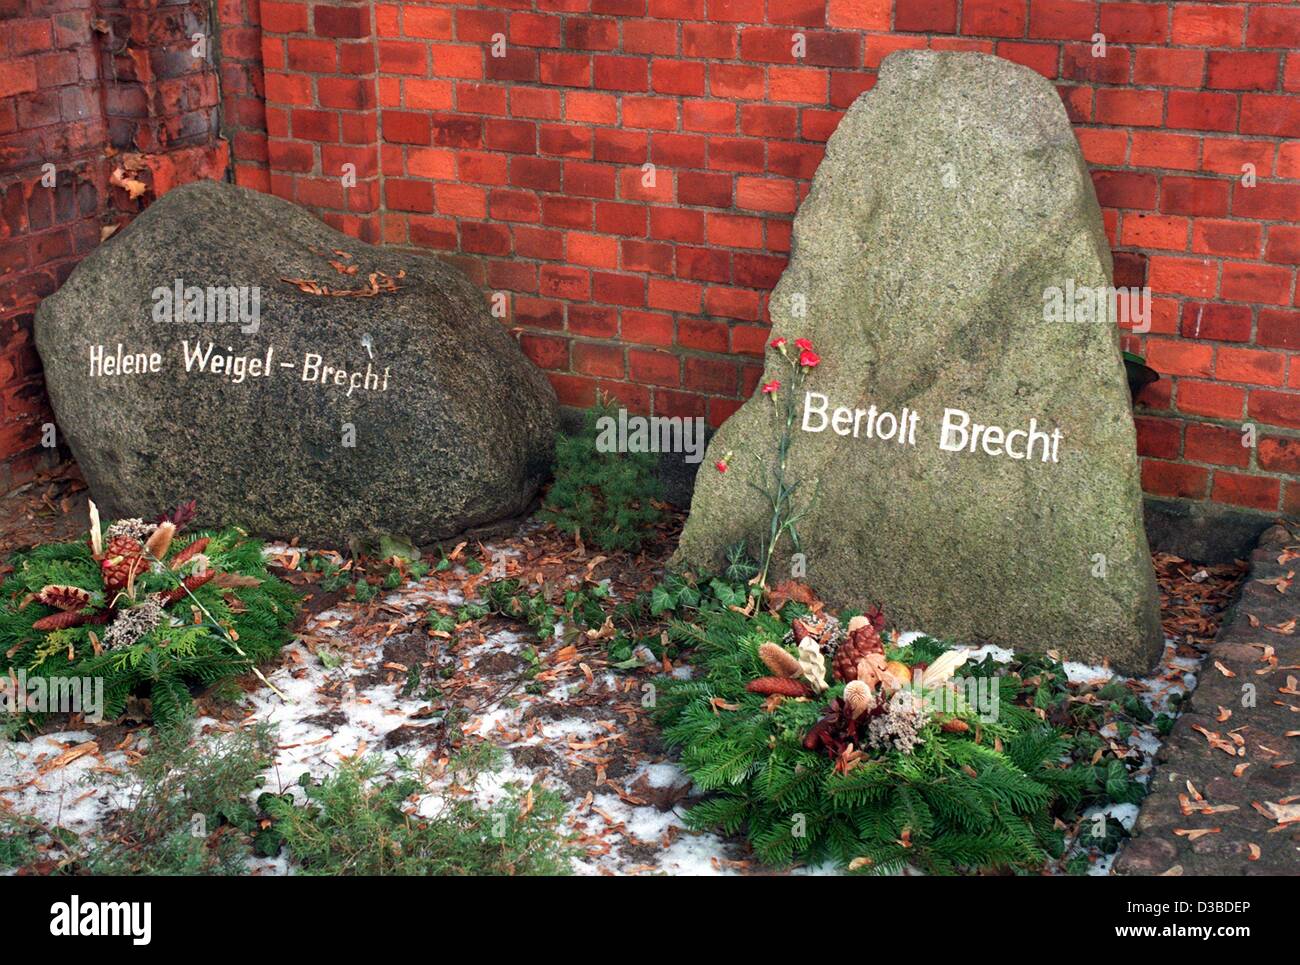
{"type": "Point", "coordinates": [606, 498]}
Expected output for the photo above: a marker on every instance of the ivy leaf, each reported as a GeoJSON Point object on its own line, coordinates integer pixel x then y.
{"type": "Point", "coordinates": [661, 601]}
{"type": "Point", "coordinates": [726, 595]}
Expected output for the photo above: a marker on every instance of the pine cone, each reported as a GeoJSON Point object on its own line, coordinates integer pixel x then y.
{"type": "Point", "coordinates": [65, 619]}
{"type": "Point", "coordinates": [190, 583]}
{"type": "Point", "coordinates": [779, 685]}
{"type": "Point", "coordinates": [862, 641]}
{"type": "Point", "coordinates": [123, 546]}
{"type": "Point", "coordinates": [189, 552]}
{"type": "Point", "coordinates": [122, 557]}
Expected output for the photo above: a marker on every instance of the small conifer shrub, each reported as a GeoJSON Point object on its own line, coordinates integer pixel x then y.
{"type": "Point", "coordinates": [605, 498]}
{"type": "Point", "coordinates": [358, 822]}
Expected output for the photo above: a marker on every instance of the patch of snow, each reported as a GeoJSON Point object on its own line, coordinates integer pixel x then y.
{"type": "Point", "coordinates": [69, 796]}
{"type": "Point", "coordinates": [575, 727]}
{"type": "Point", "coordinates": [907, 638]}
{"type": "Point", "coordinates": [976, 654]}
{"type": "Point", "coordinates": [1125, 814]}
{"type": "Point", "coordinates": [661, 775]}
{"type": "Point", "coordinates": [1087, 674]}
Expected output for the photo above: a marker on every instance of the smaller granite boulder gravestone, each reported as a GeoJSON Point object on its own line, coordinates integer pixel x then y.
{"type": "Point", "coordinates": [964, 449]}
{"type": "Point", "coordinates": [229, 347]}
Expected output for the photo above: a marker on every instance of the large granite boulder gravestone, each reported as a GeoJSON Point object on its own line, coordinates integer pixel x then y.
{"type": "Point", "coordinates": [967, 459]}
{"type": "Point", "coordinates": [229, 347]}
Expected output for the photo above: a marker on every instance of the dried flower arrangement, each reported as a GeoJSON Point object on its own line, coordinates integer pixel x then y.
{"type": "Point", "coordinates": [143, 608]}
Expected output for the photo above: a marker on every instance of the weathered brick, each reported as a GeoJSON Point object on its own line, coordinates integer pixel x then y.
{"type": "Point", "coordinates": [1255, 492]}
{"type": "Point", "coordinates": [527, 169]}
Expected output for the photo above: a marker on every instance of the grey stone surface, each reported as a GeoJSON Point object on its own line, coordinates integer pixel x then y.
{"type": "Point", "coordinates": [951, 197]}
{"type": "Point", "coordinates": [462, 434]}
{"type": "Point", "coordinates": [1202, 531]}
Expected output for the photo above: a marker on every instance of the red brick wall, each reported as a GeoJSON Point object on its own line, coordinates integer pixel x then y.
{"type": "Point", "coordinates": [243, 90]}
{"type": "Point", "coordinates": [527, 170]}
{"type": "Point", "coordinates": [49, 113]}
{"type": "Point", "coordinates": [90, 88]}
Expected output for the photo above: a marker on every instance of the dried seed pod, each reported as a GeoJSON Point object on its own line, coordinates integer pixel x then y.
{"type": "Point", "coordinates": [943, 668]}
{"type": "Point", "coordinates": [778, 660]}
{"type": "Point", "coordinates": [812, 664]}
{"type": "Point", "coordinates": [61, 597]}
{"type": "Point", "coordinates": [858, 698]}
{"type": "Point", "coordinates": [784, 686]}
{"type": "Point", "coordinates": [158, 544]}
{"type": "Point", "coordinates": [96, 531]}
{"type": "Point", "coordinates": [955, 725]}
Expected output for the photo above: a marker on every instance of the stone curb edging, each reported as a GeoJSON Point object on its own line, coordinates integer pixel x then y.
{"type": "Point", "coordinates": [1188, 755]}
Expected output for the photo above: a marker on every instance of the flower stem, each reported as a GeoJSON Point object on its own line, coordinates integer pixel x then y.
{"type": "Point", "coordinates": [781, 496]}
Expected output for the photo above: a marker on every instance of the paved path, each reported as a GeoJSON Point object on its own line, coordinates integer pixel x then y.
{"type": "Point", "coordinates": [1234, 751]}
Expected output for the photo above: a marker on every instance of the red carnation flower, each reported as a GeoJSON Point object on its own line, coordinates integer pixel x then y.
{"type": "Point", "coordinates": [809, 359]}
{"type": "Point", "coordinates": [803, 343]}
{"type": "Point", "coordinates": [778, 344]}
{"type": "Point", "coordinates": [769, 388]}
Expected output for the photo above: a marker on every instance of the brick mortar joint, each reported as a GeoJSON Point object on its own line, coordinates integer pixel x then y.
{"type": "Point", "coordinates": [215, 28]}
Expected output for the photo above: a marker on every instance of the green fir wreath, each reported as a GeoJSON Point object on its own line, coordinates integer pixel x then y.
{"type": "Point", "coordinates": [955, 794]}
{"type": "Point", "coordinates": [144, 609]}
